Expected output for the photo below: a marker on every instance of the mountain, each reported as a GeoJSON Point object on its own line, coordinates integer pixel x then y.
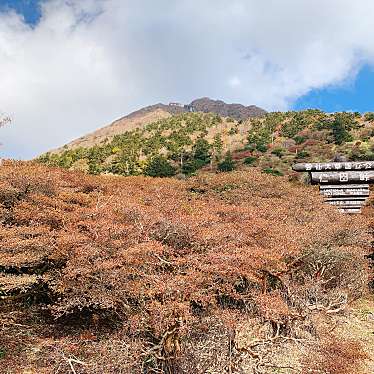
{"type": "Point", "coordinates": [174, 139]}
{"type": "Point", "coordinates": [236, 111]}
{"type": "Point", "coordinates": [153, 113]}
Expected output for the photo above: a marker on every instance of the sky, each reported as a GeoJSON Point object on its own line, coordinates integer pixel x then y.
{"type": "Point", "coordinates": [68, 67]}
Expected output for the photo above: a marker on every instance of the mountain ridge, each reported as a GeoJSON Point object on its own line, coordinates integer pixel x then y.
{"type": "Point", "coordinates": [239, 112]}
{"type": "Point", "coordinates": [155, 112]}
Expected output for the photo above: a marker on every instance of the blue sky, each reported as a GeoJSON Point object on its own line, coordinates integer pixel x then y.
{"type": "Point", "coordinates": [28, 8]}
{"type": "Point", "coordinates": [68, 67]}
{"type": "Point", "coordinates": [355, 95]}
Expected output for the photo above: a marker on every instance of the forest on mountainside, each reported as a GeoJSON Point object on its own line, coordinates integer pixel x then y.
{"type": "Point", "coordinates": [188, 142]}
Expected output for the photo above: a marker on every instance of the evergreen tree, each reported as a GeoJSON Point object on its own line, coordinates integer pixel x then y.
{"type": "Point", "coordinates": [217, 146]}
{"type": "Point", "coordinates": [159, 167]}
{"type": "Point", "coordinates": [227, 164]}
{"type": "Point", "coordinates": [199, 157]}
{"type": "Point", "coordinates": [201, 152]}
{"type": "Point", "coordinates": [190, 167]}
{"type": "Point", "coordinates": [339, 131]}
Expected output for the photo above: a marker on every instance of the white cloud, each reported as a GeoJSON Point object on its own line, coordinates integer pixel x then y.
{"type": "Point", "coordinates": [234, 82]}
{"type": "Point", "coordinates": [89, 61]}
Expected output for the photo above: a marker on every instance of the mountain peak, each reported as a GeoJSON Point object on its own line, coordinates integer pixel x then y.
{"type": "Point", "coordinates": [152, 113]}
{"type": "Point", "coordinates": [207, 105]}
{"type": "Point", "coordinates": [236, 111]}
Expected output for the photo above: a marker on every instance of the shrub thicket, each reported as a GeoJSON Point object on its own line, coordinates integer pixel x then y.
{"type": "Point", "coordinates": [369, 116]}
{"type": "Point", "coordinates": [138, 275]}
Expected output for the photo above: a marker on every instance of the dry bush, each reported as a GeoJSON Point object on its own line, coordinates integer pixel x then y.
{"type": "Point", "coordinates": [327, 279]}
{"type": "Point", "coordinates": [154, 258]}
{"type": "Point", "coordinates": [335, 355]}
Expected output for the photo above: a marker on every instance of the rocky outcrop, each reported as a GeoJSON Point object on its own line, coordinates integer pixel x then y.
{"type": "Point", "coordinates": [236, 111]}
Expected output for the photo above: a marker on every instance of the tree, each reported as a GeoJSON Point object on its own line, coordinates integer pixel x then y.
{"type": "Point", "coordinates": [176, 144]}
{"type": "Point", "coordinates": [227, 164]}
{"type": "Point", "coordinates": [126, 163]}
{"type": "Point", "coordinates": [96, 157]}
{"type": "Point", "coordinates": [201, 151]}
{"type": "Point", "coordinates": [4, 120]}
{"type": "Point", "coordinates": [296, 124]}
{"type": "Point", "coordinates": [369, 116]}
{"type": "Point", "coordinates": [190, 167]}
{"type": "Point", "coordinates": [250, 160]}
{"type": "Point", "coordinates": [339, 130]}
{"type": "Point", "coordinates": [159, 167]}
{"type": "Point", "coordinates": [199, 157]}
{"type": "Point", "coordinates": [94, 167]}
{"type": "Point", "coordinates": [217, 147]}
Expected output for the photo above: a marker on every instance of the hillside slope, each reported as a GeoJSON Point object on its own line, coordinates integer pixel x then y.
{"type": "Point", "coordinates": [153, 113]}
{"type": "Point", "coordinates": [128, 123]}
{"type": "Point", "coordinates": [186, 142]}
{"type": "Point", "coordinates": [235, 272]}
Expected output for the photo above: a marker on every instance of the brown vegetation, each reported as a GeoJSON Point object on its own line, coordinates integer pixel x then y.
{"type": "Point", "coordinates": [148, 275]}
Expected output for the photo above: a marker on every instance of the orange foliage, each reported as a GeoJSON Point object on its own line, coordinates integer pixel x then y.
{"type": "Point", "coordinates": [336, 356]}
{"type": "Point", "coordinates": [154, 255]}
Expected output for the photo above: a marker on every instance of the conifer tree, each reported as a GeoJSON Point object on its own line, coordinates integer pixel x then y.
{"type": "Point", "coordinates": [159, 167]}
{"type": "Point", "coordinates": [227, 164]}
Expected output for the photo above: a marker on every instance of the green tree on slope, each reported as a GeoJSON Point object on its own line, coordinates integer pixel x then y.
{"type": "Point", "coordinates": [227, 164]}
{"type": "Point", "coordinates": [159, 167]}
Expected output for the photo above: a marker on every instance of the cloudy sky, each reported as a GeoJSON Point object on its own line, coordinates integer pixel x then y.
{"type": "Point", "coordinates": [68, 67]}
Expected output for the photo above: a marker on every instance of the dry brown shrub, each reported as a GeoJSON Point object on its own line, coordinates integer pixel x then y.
{"type": "Point", "coordinates": [335, 355]}
{"type": "Point", "coordinates": [326, 279]}
{"type": "Point", "coordinates": [153, 258]}
{"type": "Point", "coordinates": [273, 308]}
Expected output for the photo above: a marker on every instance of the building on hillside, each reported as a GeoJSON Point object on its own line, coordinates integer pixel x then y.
{"type": "Point", "coordinates": [189, 108]}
